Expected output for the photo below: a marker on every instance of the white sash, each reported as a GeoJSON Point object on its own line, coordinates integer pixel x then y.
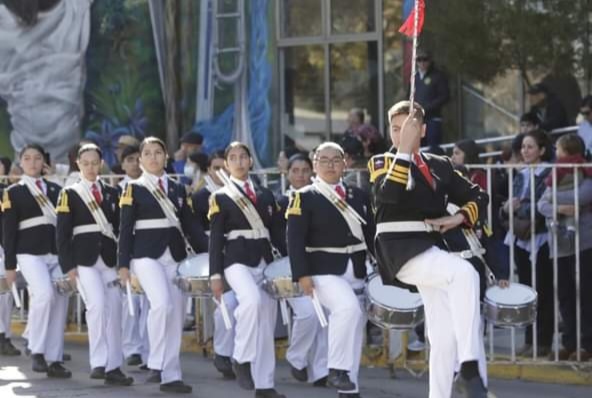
{"type": "Point", "coordinates": [42, 200]}
{"type": "Point", "coordinates": [352, 218]}
{"type": "Point", "coordinates": [95, 209]}
{"type": "Point", "coordinates": [210, 184]}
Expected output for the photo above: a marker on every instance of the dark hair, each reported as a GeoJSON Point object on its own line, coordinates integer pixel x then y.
{"type": "Point", "coordinates": [352, 146]}
{"type": "Point", "coordinates": [572, 144]}
{"type": "Point", "coordinates": [542, 140]}
{"type": "Point", "coordinates": [88, 148]}
{"type": "Point", "coordinates": [216, 155]}
{"type": "Point", "coordinates": [299, 157]}
{"type": "Point", "coordinates": [6, 163]}
{"type": "Point", "coordinates": [517, 143]}
{"type": "Point", "coordinates": [470, 149]}
{"type": "Point", "coordinates": [587, 101]}
{"type": "Point", "coordinates": [200, 159]}
{"type": "Point", "coordinates": [236, 144]}
{"type": "Point", "coordinates": [153, 140]}
{"type": "Point", "coordinates": [435, 150]}
{"type": "Point", "coordinates": [36, 147]}
{"type": "Point", "coordinates": [129, 150]}
{"type": "Point", "coordinates": [404, 108]}
{"type": "Point", "coordinates": [530, 117]}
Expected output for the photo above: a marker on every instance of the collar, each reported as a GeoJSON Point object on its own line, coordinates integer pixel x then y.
{"type": "Point", "coordinates": [154, 179]}
{"type": "Point", "coordinates": [241, 183]}
{"type": "Point", "coordinates": [340, 184]}
{"type": "Point", "coordinates": [89, 184]}
{"type": "Point", "coordinates": [33, 180]}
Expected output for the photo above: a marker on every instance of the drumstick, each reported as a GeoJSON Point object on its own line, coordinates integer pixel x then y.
{"type": "Point", "coordinates": [319, 310]}
{"type": "Point", "coordinates": [15, 296]}
{"type": "Point", "coordinates": [284, 311]}
{"type": "Point", "coordinates": [130, 303]}
{"type": "Point", "coordinates": [224, 312]}
{"type": "Point", "coordinates": [80, 290]}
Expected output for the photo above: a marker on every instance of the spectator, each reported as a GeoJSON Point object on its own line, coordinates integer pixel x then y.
{"type": "Point", "coordinates": [431, 92]}
{"type": "Point", "coordinates": [536, 152]}
{"type": "Point", "coordinates": [528, 122]}
{"type": "Point", "coordinates": [570, 149]}
{"type": "Point", "coordinates": [585, 127]}
{"type": "Point", "coordinates": [196, 169]}
{"type": "Point", "coordinates": [467, 152]}
{"type": "Point", "coordinates": [355, 162]}
{"type": "Point", "coordinates": [190, 143]}
{"type": "Point", "coordinates": [130, 165]}
{"type": "Point", "coordinates": [547, 107]}
{"type": "Point", "coordinates": [124, 142]}
{"type": "Point", "coordinates": [367, 134]}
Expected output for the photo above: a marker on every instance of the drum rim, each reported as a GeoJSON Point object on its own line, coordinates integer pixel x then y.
{"type": "Point", "coordinates": [505, 305]}
{"type": "Point", "coordinates": [370, 278]}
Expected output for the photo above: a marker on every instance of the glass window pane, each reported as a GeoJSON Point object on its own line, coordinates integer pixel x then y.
{"type": "Point", "coordinates": [303, 122]}
{"type": "Point", "coordinates": [301, 18]}
{"type": "Point", "coordinates": [354, 84]}
{"type": "Point", "coordinates": [352, 16]}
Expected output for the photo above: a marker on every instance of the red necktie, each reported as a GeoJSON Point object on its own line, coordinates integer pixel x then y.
{"type": "Point", "coordinates": [161, 185]}
{"type": "Point", "coordinates": [423, 167]}
{"type": "Point", "coordinates": [340, 191]}
{"type": "Point", "coordinates": [40, 185]}
{"type": "Point", "coordinates": [250, 193]}
{"type": "Point", "coordinates": [96, 193]}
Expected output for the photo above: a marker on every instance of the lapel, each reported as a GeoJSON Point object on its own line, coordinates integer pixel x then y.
{"type": "Point", "coordinates": [52, 193]}
{"type": "Point", "coordinates": [172, 194]}
{"type": "Point", "coordinates": [419, 177]}
{"type": "Point", "coordinates": [107, 202]}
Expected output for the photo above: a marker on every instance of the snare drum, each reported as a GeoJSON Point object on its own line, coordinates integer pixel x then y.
{"type": "Point", "coordinates": [277, 280]}
{"type": "Point", "coordinates": [515, 306]}
{"type": "Point", "coordinates": [391, 307]}
{"type": "Point", "coordinates": [194, 275]}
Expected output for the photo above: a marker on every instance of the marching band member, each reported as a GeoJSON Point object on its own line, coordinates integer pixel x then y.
{"type": "Point", "coordinates": [329, 232]}
{"type": "Point", "coordinates": [88, 218]}
{"type": "Point", "coordinates": [29, 221]}
{"type": "Point", "coordinates": [223, 338]}
{"type": "Point", "coordinates": [410, 196]}
{"type": "Point", "coordinates": [243, 225]}
{"type": "Point", "coordinates": [307, 353]}
{"type": "Point", "coordinates": [155, 217]}
{"type": "Point", "coordinates": [6, 302]}
{"type": "Point", "coordinates": [134, 328]}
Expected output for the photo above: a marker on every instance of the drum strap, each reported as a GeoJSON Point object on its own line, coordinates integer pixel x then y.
{"type": "Point", "coordinates": [42, 200]}
{"type": "Point", "coordinates": [95, 210]}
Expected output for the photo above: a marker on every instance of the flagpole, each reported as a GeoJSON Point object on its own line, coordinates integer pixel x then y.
{"type": "Point", "coordinates": [414, 56]}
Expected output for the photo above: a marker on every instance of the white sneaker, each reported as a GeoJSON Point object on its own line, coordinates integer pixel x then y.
{"type": "Point", "coordinates": [416, 346]}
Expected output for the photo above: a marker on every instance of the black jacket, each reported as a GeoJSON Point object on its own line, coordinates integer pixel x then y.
{"type": "Point", "coordinates": [393, 202]}
{"type": "Point", "coordinates": [84, 249]}
{"type": "Point", "coordinates": [18, 205]}
{"type": "Point", "coordinates": [432, 92]}
{"type": "Point", "coordinates": [313, 221]}
{"type": "Point", "coordinates": [226, 216]}
{"type": "Point", "coordinates": [137, 203]}
{"type": "Point", "coordinates": [201, 204]}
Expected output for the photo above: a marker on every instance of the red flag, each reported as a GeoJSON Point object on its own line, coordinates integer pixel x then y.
{"type": "Point", "coordinates": [407, 27]}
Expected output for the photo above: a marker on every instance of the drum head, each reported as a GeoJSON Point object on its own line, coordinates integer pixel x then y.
{"type": "Point", "coordinates": [195, 266]}
{"type": "Point", "coordinates": [278, 269]}
{"type": "Point", "coordinates": [392, 296]}
{"type": "Point", "coordinates": [516, 294]}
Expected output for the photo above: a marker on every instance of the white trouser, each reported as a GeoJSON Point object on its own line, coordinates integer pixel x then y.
{"type": "Point", "coordinates": [103, 314]}
{"type": "Point", "coordinates": [346, 320]}
{"type": "Point", "coordinates": [134, 335]}
{"type": "Point", "coordinates": [449, 288]}
{"type": "Point", "coordinates": [166, 315]}
{"type": "Point", "coordinates": [223, 338]}
{"type": "Point", "coordinates": [47, 308]}
{"type": "Point", "coordinates": [309, 341]}
{"type": "Point", "coordinates": [255, 316]}
{"type": "Point", "coordinates": [5, 314]}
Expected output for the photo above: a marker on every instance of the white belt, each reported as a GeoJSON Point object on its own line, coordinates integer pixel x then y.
{"type": "Point", "coordinates": [33, 222]}
{"type": "Point", "coordinates": [338, 250]}
{"type": "Point", "coordinates": [85, 229]}
{"type": "Point", "coordinates": [248, 234]}
{"type": "Point", "coordinates": [153, 223]}
{"type": "Point", "coordinates": [403, 226]}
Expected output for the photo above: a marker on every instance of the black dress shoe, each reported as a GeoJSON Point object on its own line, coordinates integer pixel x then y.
{"type": "Point", "coordinates": [8, 349]}
{"type": "Point", "coordinates": [57, 371]}
{"type": "Point", "coordinates": [154, 376]}
{"type": "Point", "coordinates": [353, 395]}
{"type": "Point", "coordinates": [39, 364]}
{"type": "Point", "coordinates": [134, 360]}
{"type": "Point", "coordinates": [66, 357]}
{"type": "Point", "coordinates": [339, 379]}
{"type": "Point", "coordinates": [98, 373]}
{"type": "Point", "coordinates": [268, 393]}
{"type": "Point", "coordinates": [299, 374]}
{"type": "Point", "coordinates": [116, 377]}
{"type": "Point", "coordinates": [322, 382]}
{"type": "Point", "coordinates": [243, 375]}
{"type": "Point", "coordinates": [224, 365]}
{"type": "Point", "coordinates": [177, 387]}
{"type": "Point", "coordinates": [471, 388]}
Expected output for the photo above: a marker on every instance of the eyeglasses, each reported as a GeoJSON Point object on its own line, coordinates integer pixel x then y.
{"type": "Point", "coordinates": [329, 162]}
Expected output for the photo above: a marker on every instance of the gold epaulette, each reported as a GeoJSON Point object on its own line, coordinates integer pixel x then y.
{"type": "Point", "coordinates": [6, 204]}
{"type": "Point", "coordinates": [379, 165]}
{"type": "Point", "coordinates": [214, 208]}
{"type": "Point", "coordinates": [127, 198]}
{"type": "Point", "coordinates": [294, 208]}
{"type": "Point", "coordinates": [472, 211]}
{"type": "Point", "coordinates": [63, 206]}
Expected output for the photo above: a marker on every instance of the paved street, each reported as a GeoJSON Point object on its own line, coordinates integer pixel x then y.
{"type": "Point", "coordinates": [17, 380]}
